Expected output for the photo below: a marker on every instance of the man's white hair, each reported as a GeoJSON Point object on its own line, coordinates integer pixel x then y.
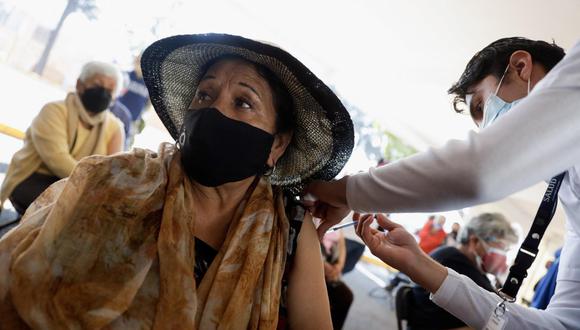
{"type": "Point", "coordinates": [92, 68]}
{"type": "Point", "coordinates": [489, 227]}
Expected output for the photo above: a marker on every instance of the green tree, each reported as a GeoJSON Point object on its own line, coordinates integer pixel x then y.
{"type": "Point", "coordinates": [377, 142]}
{"type": "Point", "coordinates": [87, 7]}
{"type": "Point", "coordinates": [394, 147]}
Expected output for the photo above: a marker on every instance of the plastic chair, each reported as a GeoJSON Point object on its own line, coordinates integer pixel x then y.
{"type": "Point", "coordinates": [402, 305]}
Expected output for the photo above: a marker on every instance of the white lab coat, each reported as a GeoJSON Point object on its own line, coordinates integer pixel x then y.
{"type": "Point", "coordinates": [536, 140]}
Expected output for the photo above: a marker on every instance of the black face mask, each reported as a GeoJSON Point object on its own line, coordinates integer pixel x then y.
{"type": "Point", "coordinates": [96, 99]}
{"type": "Point", "coordinates": [216, 149]}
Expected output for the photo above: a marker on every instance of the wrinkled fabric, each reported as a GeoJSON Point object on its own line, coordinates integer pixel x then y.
{"type": "Point", "coordinates": [113, 247]}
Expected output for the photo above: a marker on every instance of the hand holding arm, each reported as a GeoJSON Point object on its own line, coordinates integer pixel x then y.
{"type": "Point", "coordinates": [330, 206]}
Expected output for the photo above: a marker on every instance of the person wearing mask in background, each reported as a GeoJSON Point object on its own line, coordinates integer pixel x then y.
{"type": "Point", "coordinates": [483, 244]}
{"type": "Point", "coordinates": [333, 247]}
{"type": "Point", "coordinates": [451, 239]}
{"type": "Point", "coordinates": [62, 133]}
{"type": "Point", "coordinates": [525, 97]}
{"type": "Point", "coordinates": [432, 235]}
{"type": "Point", "coordinates": [136, 99]}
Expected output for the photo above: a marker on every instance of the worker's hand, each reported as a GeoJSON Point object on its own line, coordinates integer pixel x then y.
{"type": "Point", "coordinates": [330, 205]}
{"type": "Point", "coordinates": [398, 248]}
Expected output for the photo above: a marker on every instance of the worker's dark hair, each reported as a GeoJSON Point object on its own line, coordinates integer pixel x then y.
{"type": "Point", "coordinates": [494, 58]}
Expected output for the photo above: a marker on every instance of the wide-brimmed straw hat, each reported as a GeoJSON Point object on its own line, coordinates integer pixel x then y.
{"type": "Point", "coordinates": [323, 136]}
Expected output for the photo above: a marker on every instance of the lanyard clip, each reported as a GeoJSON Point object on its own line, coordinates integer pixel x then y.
{"type": "Point", "coordinates": [505, 297]}
{"type": "Point", "coordinates": [498, 317]}
{"type": "Point", "coordinates": [500, 309]}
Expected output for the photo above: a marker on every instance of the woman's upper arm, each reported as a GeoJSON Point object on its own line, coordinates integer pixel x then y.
{"type": "Point", "coordinates": [308, 306]}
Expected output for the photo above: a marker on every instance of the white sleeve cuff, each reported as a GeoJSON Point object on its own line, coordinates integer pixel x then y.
{"type": "Point", "coordinates": [447, 289]}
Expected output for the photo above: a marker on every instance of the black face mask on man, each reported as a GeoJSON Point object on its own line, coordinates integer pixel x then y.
{"type": "Point", "coordinates": [216, 149]}
{"type": "Point", "coordinates": [96, 99]}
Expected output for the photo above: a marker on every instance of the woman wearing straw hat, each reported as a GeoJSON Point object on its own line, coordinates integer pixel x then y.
{"type": "Point", "coordinates": [202, 234]}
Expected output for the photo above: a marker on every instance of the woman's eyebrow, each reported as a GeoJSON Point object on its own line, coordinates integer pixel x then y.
{"type": "Point", "coordinates": [250, 88]}
{"type": "Point", "coordinates": [207, 77]}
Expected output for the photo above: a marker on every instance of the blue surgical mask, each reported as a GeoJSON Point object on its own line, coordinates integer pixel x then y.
{"type": "Point", "coordinates": [495, 107]}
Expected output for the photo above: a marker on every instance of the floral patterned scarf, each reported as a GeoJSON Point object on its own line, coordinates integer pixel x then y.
{"type": "Point", "coordinates": [113, 247]}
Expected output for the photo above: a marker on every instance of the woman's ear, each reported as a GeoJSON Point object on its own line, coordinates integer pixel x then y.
{"type": "Point", "coordinates": [281, 142]}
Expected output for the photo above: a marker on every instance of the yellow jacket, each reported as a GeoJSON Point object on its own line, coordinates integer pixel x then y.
{"type": "Point", "coordinates": [56, 140]}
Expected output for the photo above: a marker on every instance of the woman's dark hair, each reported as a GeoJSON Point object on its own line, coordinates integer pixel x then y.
{"type": "Point", "coordinates": [494, 58]}
{"type": "Point", "coordinates": [283, 101]}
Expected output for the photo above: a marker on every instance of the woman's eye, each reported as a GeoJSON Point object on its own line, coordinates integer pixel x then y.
{"type": "Point", "coordinates": [242, 103]}
{"type": "Point", "coordinates": [202, 97]}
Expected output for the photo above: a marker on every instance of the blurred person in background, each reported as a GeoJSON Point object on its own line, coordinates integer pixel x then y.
{"type": "Point", "coordinates": [122, 113]}
{"type": "Point", "coordinates": [136, 99]}
{"type": "Point", "coordinates": [451, 239]}
{"type": "Point", "coordinates": [333, 247]}
{"type": "Point", "coordinates": [432, 235]}
{"type": "Point", "coordinates": [62, 133]}
{"type": "Point", "coordinates": [483, 243]}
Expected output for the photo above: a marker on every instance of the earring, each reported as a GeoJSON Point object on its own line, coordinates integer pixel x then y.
{"type": "Point", "coordinates": [269, 170]}
{"type": "Point", "coordinates": [180, 141]}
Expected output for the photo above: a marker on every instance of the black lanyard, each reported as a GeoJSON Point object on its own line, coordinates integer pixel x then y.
{"type": "Point", "coordinates": [529, 248]}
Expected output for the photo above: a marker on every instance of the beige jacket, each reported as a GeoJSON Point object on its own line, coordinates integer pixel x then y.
{"type": "Point", "coordinates": [52, 143]}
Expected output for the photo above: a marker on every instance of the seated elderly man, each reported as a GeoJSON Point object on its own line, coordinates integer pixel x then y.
{"type": "Point", "coordinates": [62, 133]}
{"type": "Point", "coordinates": [482, 247]}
